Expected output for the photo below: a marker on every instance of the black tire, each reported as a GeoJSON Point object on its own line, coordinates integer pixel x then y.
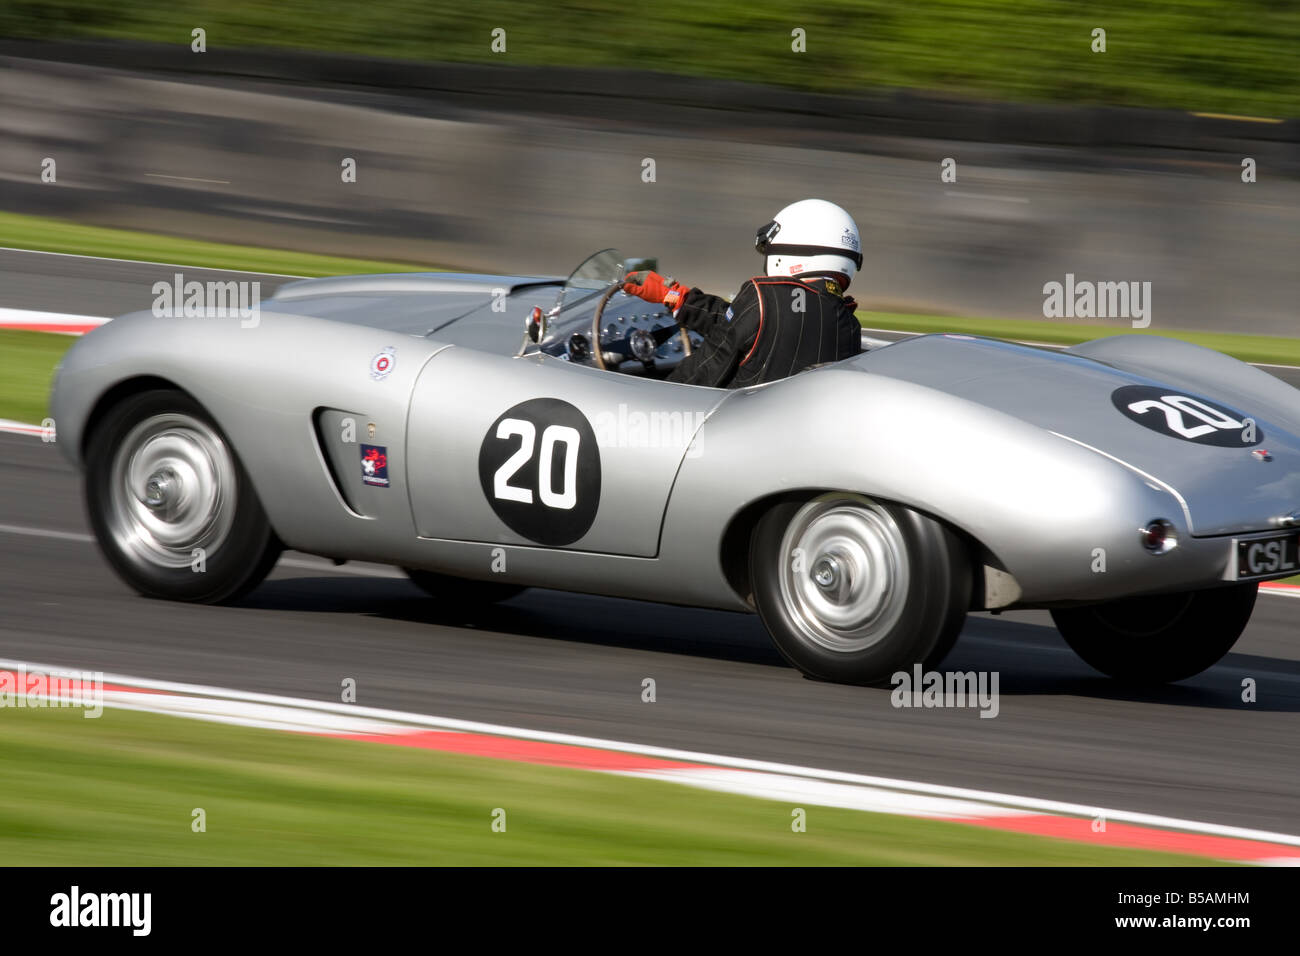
{"type": "Point", "coordinates": [825, 630]}
{"type": "Point", "coordinates": [166, 433]}
{"type": "Point", "coordinates": [1159, 638]}
{"type": "Point", "coordinates": [462, 592]}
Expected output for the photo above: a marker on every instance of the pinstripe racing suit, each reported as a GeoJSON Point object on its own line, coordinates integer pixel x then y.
{"type": "Point", "coordinates": [773, 328]}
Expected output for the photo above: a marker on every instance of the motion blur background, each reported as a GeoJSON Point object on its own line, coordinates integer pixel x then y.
{"type": "Point", "coordinates": [1117, 165]}
{"type": "Point", "coordinates": [514, 138]}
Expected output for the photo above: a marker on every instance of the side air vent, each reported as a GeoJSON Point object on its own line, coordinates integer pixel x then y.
{"type": "Point", "coordinates": [344, 440]}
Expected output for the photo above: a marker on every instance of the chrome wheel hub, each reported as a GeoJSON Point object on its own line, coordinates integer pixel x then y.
{"type": "Point", "coordinates": [161, 489]}
{"type": "Point", "coordinates": [844, 578]}
{"type": "Point", "coordinates": [172, 491]}
{"type": "Point", "coordinates": [827, 573]}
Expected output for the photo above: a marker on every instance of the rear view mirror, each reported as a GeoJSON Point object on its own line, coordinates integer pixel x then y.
{"type": "Point", "coordinates": [535, 324]}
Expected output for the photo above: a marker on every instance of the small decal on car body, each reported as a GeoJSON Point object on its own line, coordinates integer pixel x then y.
{"type": "Point", "coordinates": [374, 465]}
{"type": "Point", "coordinates": [383, 363]}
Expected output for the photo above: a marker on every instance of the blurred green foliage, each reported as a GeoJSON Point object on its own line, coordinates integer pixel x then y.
{"type": "Point", "coordinates": [1201, 55]}
{"type": "Point", "coordinates": [120, 791]}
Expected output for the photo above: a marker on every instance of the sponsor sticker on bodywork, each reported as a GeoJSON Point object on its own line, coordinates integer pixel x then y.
{"type": "Point", "coordinates": [382, 364]}
{"type": "Point", "coordinates": [374, 465]}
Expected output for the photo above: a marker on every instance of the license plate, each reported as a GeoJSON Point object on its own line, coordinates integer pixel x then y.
{"type": "Point", "coordinates": [1265, 557]}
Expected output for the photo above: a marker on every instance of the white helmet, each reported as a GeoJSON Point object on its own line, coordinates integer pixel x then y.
{"type": "Point", "coordinates": [812, 236]}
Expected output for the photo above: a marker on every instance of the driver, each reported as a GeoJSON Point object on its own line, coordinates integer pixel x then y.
{"type": "Point", "coordinates": [793, 318]}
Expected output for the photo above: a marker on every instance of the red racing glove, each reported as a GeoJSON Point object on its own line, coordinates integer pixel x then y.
{"type": "Point", "coordinates": [652, 287]}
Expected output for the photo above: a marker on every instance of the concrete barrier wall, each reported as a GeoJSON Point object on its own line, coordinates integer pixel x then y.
{"type": "Point", "coordinates": [509, 189]}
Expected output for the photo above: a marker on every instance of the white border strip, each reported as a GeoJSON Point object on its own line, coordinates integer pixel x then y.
{"type": "Point", "coordinates": [38, 321]}
{"type": "Point", "coordinates": [32, 317]}
{"type": "Point", "coordinates": [1003, 800]}
{"type": "Point", "coordinates": [21, 428]}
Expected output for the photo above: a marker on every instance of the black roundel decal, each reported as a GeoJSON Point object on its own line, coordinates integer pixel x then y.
{"type": "Point", "coordinates": [1172, 413]}
{"type": "Point", "coordinates": [540, 470]}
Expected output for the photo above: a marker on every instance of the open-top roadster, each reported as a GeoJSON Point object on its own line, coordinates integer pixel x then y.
{"type": "Point", "coordinates": [1137, 486]}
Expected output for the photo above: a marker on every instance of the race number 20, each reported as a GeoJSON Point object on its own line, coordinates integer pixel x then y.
{"type": "Point", "coordinates": [553, 435]}
{"type": "Point", "coordinates": [540, 471]}
{"type": "Point", "coordinates": [1186, 417]}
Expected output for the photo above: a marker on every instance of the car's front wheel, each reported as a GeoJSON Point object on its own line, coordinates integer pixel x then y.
{"type": "Point", "coordinates": [1158, 638]}
{"type": "Point", "coordinates": [172, 508]}
{"type": "Point", "coordinates": [853, 590]}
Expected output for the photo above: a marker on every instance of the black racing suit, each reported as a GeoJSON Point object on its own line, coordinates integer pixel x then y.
{"type": "Point", "coordinates": [773, 328]}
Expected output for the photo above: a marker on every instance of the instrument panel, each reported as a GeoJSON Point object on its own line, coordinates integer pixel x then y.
{"type": "Point", "coordinates": [635, 336]}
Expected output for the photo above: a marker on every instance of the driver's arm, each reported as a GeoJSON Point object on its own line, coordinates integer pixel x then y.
{"type": "Point", "coordinates": [700, 312]}
{"type": "Point", "coordinates": [729, 331]}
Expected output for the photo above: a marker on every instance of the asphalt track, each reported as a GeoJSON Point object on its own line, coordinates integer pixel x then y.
{"type": "Point", "coordinates": [575, 664]}
{"type": "Point", "coordinates": [81, 285]}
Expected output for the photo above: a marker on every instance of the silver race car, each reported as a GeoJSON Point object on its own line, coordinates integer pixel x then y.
{"type": "Point", "coordinates": [1137, 486]}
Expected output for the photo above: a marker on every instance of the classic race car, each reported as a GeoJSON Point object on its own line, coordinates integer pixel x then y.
{"type": "Point", "coordinates": [1137, 486]}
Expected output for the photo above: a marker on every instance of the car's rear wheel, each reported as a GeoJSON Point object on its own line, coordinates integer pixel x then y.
{"type": "Point", "coordinates": [1158, 638]}
{"type": "Point", "coordinates": [853, 590]}
{"type": "Point", "coordinates": [462, 592]}
{"type": "Point", "coordinates": [172, 508]}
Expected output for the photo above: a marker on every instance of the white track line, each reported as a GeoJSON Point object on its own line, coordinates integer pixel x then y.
{"type": "Point", "coordinates": [188, 179]}
{"type": "Point", "coordinates": [269, 716]}
{"type": "Point", "coordinates": [992, 197]}
{"type": "Point", "coordinates": [785, 788]}
{"type": "Point", "coordinates": [366, 570]}
{"type": "Point", "coordinates": [1048, 345]}
{"type": "Point", "coordinates": [307, 562]}
{"type": "Point", "coordinates": [47, 533]}
{"type": "Point", "coordinates": [21, 428]}
{"type": "Point", "coordinates": [1003, 800]}
{"type": "Point", "coordinates": [38, 320]}
{"type": "Point", "coordinates": [147, 262]}
{"type": "Point", "coordinates": [49, 321]}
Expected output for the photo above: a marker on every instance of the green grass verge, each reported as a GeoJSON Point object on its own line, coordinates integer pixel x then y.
{"type": "Point", "coordinates": [120, 790]}
{"type": "Point", "coordinates": [27, 361]}
{"type": "Point", "coordinates": [1249, 348]}
{"type": "Point", "coordinates": [59, 235]}
{"type": "Point", "coordinates": [1194, 54]}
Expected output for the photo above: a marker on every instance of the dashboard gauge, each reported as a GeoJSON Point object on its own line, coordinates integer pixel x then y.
{"type": "Point", "coordinates": [578, 348]}
{"type": "Point", "coordinates": [642, 344]}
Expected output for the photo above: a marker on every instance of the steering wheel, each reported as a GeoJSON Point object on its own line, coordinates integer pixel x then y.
{"type": "Point", "coordinates": [595, 328]}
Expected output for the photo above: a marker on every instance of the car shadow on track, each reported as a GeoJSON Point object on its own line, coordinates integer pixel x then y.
{"type": "Point", "coordinates": [1030, 659]}
{"type": "Point", "coordinates": [556, 615]}
{"type": "Point", "coordinates": [1034, 660]}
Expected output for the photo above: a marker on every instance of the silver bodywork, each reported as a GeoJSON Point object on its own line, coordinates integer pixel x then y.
{"type": "Point", "coordinates": [1021, 449]}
